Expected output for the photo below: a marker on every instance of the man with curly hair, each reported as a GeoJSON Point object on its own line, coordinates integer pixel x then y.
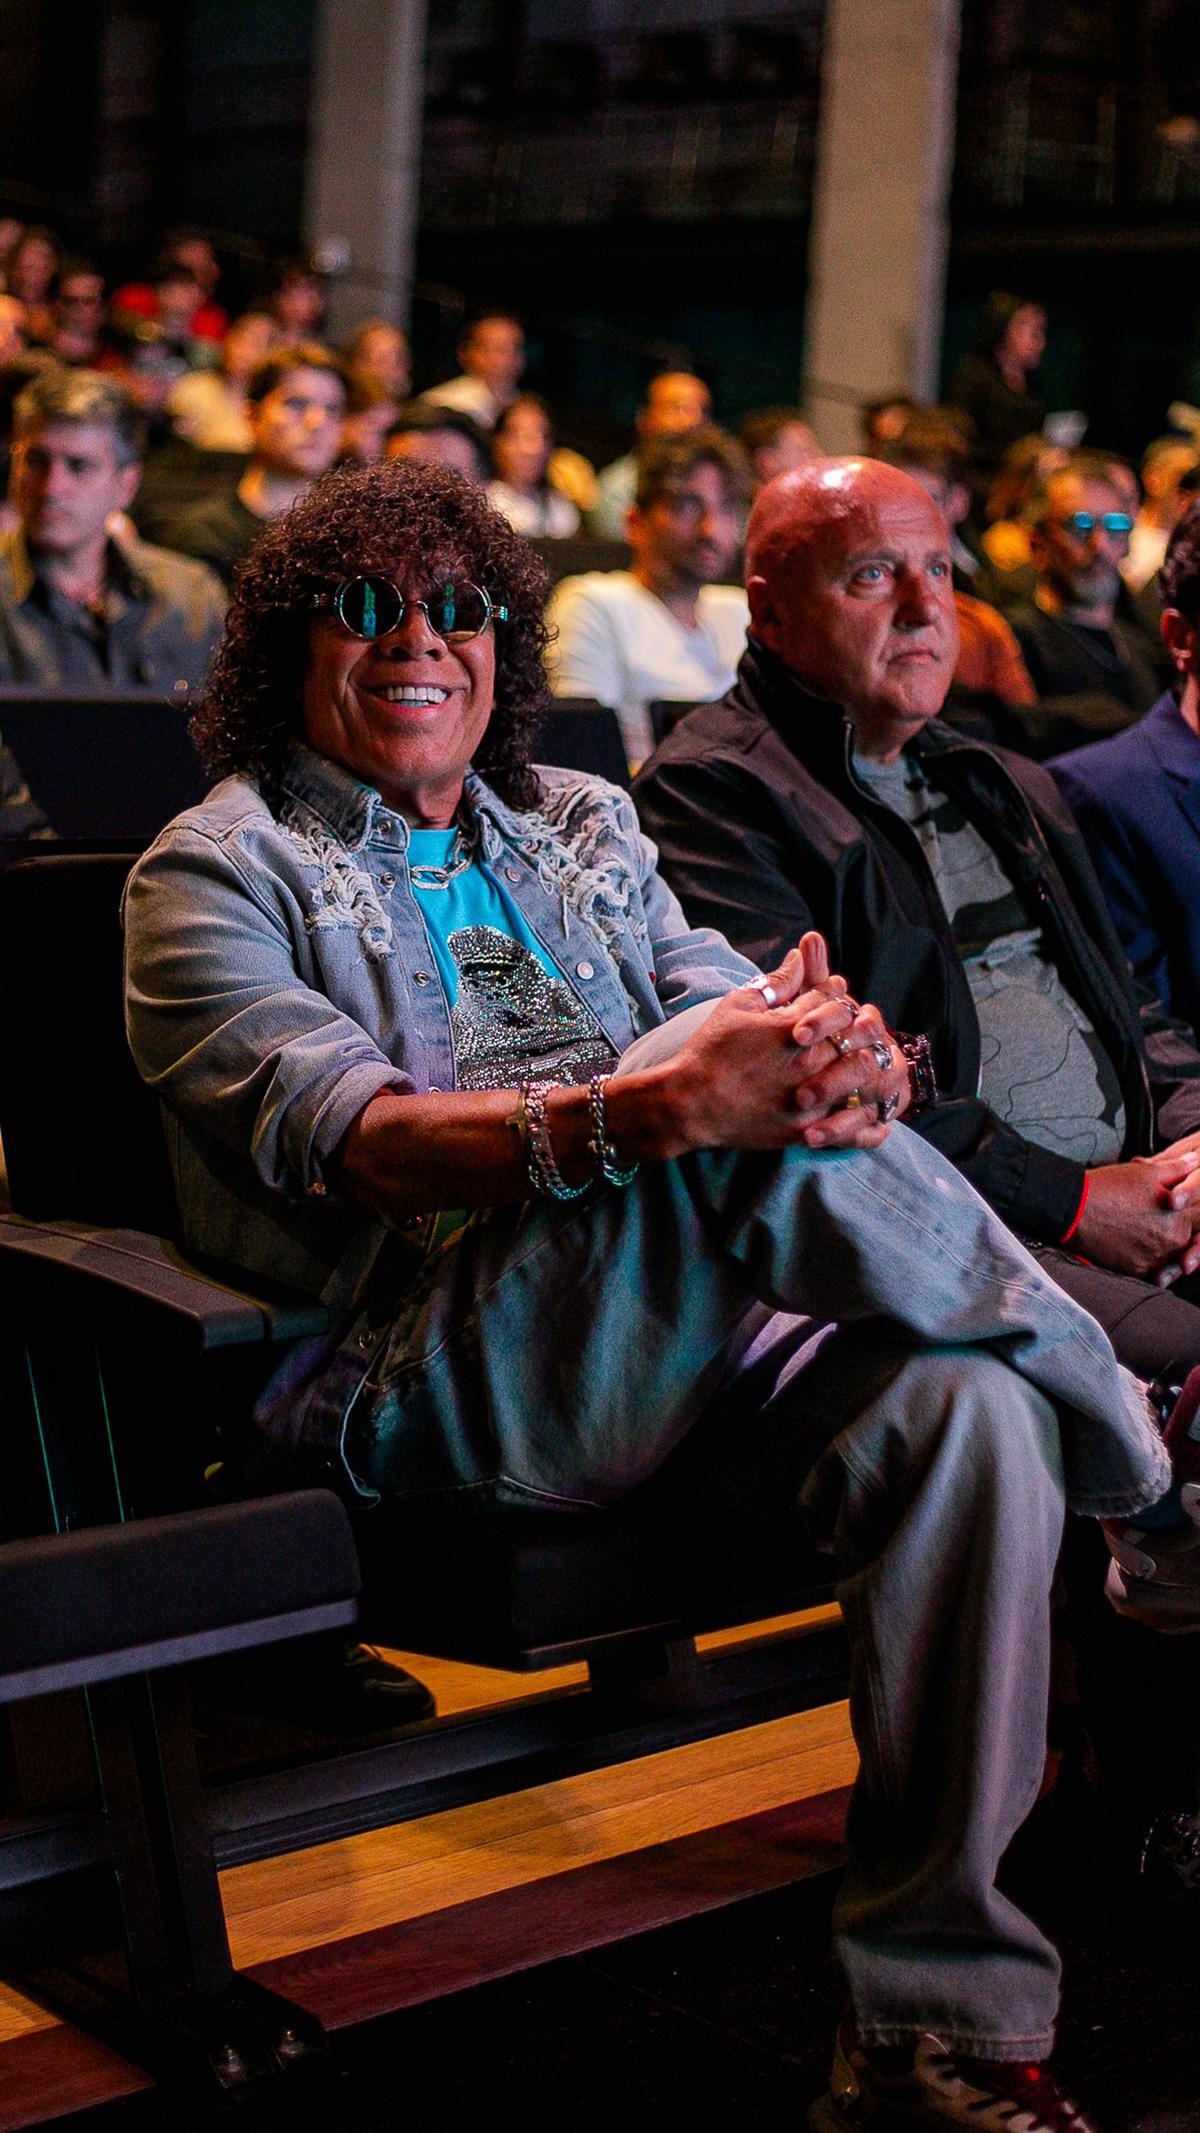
{"type": "Point", "coordinates": [588, 1198]}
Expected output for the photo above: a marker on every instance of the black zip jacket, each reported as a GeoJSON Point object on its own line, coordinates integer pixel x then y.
{"type": "Point", "coordinates": [763, 831]}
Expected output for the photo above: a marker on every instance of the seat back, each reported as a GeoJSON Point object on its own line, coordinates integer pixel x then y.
{"type": "Point", "coordinates": [579, 734]}
{"type": "Point", "coordinates": [100, 766]}
{"type": "Point", "coordinates": [81, 1133]}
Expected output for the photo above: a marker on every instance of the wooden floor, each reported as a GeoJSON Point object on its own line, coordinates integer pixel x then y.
{"type": "Point", "coordinates": [380, 1921]}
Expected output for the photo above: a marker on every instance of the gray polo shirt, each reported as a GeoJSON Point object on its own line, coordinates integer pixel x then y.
{"type": "Point", "coordinates": [162, 619]}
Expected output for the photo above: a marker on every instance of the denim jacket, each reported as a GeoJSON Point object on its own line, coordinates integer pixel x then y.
{"type": "Point", "coordinates": [278, 976]}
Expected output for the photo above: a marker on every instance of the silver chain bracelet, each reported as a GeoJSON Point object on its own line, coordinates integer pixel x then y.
{"type": "Point", "coordinates": [600, 1148]}
{"type": "Point", "coordinates": [545, 1176]}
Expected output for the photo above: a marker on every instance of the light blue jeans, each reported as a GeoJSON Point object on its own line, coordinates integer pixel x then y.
{"type": "Point", "coordinates": [558, 1354]}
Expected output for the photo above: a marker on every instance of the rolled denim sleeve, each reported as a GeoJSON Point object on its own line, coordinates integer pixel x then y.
{"type": "Point", "coordinates": [221, 1023]}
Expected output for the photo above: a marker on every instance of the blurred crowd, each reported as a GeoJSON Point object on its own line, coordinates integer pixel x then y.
{"type": "Point", "coordinates": [201, 427]}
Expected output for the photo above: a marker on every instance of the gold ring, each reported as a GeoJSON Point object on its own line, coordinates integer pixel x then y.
{"type": "Point", "coordinates": [841, 1045]}
{"type": "Point", "coordinates": [853, 1101]}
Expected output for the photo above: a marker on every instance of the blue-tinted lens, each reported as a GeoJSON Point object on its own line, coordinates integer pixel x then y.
{"type": "Point", "coordinates": [457, 612]}
{"type": "Point", "coordinates": [370, 607]}
{"type": "Point", "coordinates": [1085, 522]}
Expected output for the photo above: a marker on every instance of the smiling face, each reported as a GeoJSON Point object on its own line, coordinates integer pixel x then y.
{"type": "Point", "coordinates": [405, 713]}
{"type": "Point", "coordinates": [851, 588]}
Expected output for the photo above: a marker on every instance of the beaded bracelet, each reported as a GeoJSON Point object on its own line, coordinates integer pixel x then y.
{"type": "Point", "coordinates": [922, 1080]}
{"type": "Point", "coordinates": [600, 1148]}
{"type": "Point", "coordinates": [545, 1176]}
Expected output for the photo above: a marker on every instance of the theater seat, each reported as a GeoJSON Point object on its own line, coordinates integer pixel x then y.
{"type": "Point", "coordinates": [170, 1352]}
{"type": "Point", "coordinates": [117, 1612]}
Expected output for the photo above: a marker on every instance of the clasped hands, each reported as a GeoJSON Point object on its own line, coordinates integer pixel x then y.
{"type": "Point", "coordinates": [793, 1059]}
{"type": "Point", "coordinates": [1143, 1217]}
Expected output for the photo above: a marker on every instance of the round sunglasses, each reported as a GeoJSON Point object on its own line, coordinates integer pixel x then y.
{"type": "Point", "coordinates": [373, 606]}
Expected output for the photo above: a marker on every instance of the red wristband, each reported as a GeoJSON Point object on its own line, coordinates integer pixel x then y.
{"type": "Point", "coordinates": [1069, 1233]}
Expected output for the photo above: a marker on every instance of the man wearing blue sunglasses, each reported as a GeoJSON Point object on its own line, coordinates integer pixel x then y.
{"type": "Point", "coordinates": [1094, 668]}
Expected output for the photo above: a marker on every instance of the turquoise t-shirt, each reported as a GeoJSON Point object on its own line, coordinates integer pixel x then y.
{"type": "Point", "coordinates": [512, 1012]}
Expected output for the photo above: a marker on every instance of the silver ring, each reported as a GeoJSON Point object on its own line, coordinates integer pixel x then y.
{"type": "Point", "coordinates": [849, 1001]}
{"type": "Point", "coordinates": [887, 1107]}
{"type": "Point", "coordinates": [881, 1054]}
{"type": "Point", "coordinates": [843, 1046]}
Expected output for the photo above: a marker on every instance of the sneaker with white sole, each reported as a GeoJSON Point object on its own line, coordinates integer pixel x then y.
{"type": "Point", "coordinates": [899, 2091]}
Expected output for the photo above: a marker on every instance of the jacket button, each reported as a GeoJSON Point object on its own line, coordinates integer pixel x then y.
{"type": "Point", "coordinates": [584, 970]}
{"type": "Point", "coordinates": [512, 874]}
{"type": "Point", "coordinates": [420, 977]}
{"type": "Point", "coordinates": [387, 881]}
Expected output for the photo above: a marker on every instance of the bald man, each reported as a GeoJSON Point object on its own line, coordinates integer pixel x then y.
{"type": "Point", "coordinates": [954, 890]}
{"type": "Point", "coordinates": [675, 402]}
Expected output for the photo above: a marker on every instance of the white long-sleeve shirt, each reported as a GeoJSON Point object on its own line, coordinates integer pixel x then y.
{"type": "Point", "coordinates": [619, 644]}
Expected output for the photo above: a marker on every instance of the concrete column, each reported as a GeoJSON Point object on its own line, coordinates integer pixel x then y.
{"type": "Point", "coordinates": [361, 189]}
{"type": "Point", "coordinates": [877, 253]}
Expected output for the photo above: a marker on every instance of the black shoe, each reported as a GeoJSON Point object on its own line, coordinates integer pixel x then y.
{"type": "Point", "coordinates": [324, 1687]}
{"type": "Point", "coordinates": [362, 1692]}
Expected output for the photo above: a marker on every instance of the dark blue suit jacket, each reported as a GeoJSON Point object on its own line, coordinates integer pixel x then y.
{"type": "Point", "coordinates": [1137, 800]}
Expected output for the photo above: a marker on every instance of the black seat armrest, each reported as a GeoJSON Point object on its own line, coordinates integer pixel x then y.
{"type": "Point", "coordinates": [90, 1606]}
{"type": "Point", "coordinates": [220, 1310]}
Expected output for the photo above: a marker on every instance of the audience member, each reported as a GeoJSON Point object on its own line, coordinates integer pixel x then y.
{"type": "Point", "coordinates": [1077, 648]}
{"type": "Point", "coordinates": [776, 439]}
{"type": "Point", "coordinates": [78, 305]}
{"type": "Point", "coordinates": [989, 674]}
{"type": "Point", "coordinates": [160, 350]}
{"type": "Point", "coordinates": [522, 444]}
{"type": "Point", "coordinates": [78, 607]}
{"type": "Point", "coordinates": [192, 254]}
{"type": "Point", "coordinates": [297, 301]}
{"type": "Point", "coordinates": [435, 436]}
{"type": "Point", "coordinates": [319, 1125]}
{"type": "Point", "coordinates": [209, 407]}
{"type": "Point", "coordinates": [675, 402]}
{"type": "Point", "coordinates": [371, 413]}
{"type": "Point", "coordinates": [377, 354]}
{"type": "Point", "coordinates": [1165, 463]}
{"type": "Point", "coordinates": [883, 419]}
{"type": "Point", "coordinates": [1136, 797]}
{"type": "Point", "coordinates": [13, 337]}
{"type": "Point", "coordinates": [993, 383]}
{"type": "Point", "coordinates": [954, 890]}
{"type": "Point", "coordinates": [10, 235]}
{"type": "Point", "coordinates": [1005, 539]}
{"type": "Point", "coordinates": [29, 276]}
{"type": "Point", "coordinates": [492, 354]}
{"type": "Point", "coordinates": [668, 628]}
{"type": "Point", "coordinates": [297, 403]}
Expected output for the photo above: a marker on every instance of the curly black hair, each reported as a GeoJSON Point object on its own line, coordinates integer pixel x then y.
{"type": "Point", "coordinates": [389, 517]}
